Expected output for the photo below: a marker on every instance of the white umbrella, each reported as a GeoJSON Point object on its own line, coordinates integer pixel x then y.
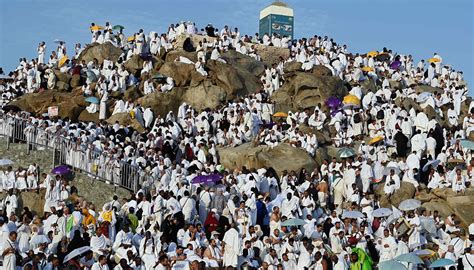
{"type": "Point", "coordinates": [387, 170]}
{"type": "Point", "coordinates": [382, 212]}
{"type": "Point", "coordinates": [352, 214]}
{"type": "Point", "coordinates": [76, 252]}
{"type": "Point", "coordinates": [5, 162]}
{"type": "Point", "coordinates": [409, 204]}
{"type": "Point", "coordinates": [432, 163]}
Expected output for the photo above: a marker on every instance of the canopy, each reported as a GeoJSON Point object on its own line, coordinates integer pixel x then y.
{"type": "Point", "coordinates": [280, 114]}
{"type": "Point", "coordinates": [333, 102]}
{"type": "Point", "coordinates": [346, 152]}
{"type": "Point", "coordinates": [441, 262]}
{"type": "Point", "coordinates": [433, 60]}
{"type": "Point", "coordinates": [352, 214]}
{"type": "Point", "coordinates": [409, 258]}
{"type": "Point", "coordinates": [455, 161]}
{"type": "Point", "coordinates": [62, 61]}
{"type": "Point", "coordinates": [62, 169]}
{"type": "Point", "coordinates": [206, 179]}
{"type": "Point", "coordinates": [5, 162]}
{"type": "Point", "coordinates": [351, 99]}
{"type": "Point", "coordinates": [367, 69]}
{"type": "Point", "coordinates": [391, 265]}
{"type": "Point", "coordinates": [96, 28]}
{"type": "Point", "coordinates": [132, 38]}
{"type": "Point", "coordinates": [118, 27]}
{"type": "Point", "coordinates": [387, 170]}
{"type": "Point", "coordinates": [409, 204]}
{"type": "Point", "coordinates": [58, 41]}
{"type": "Point", "coordinates": [432, 163]}
{"type": "Point", "coordinates": [382, 212]}
{"type": "Point", "coordinates": [293, 222]}
{"type": "Point", "coordinates": [467, 144]}
{"type": "Point", "coordinates": [76, 252]}
{"type": "Point", "coordinates": [375, 140]}
{"type": "Point", "coordinates": [94, 100]}
{"type": "Point", "coordinates": [373, 53]}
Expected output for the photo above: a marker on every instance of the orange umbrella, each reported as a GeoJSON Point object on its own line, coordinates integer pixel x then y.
{"type": "Point", "coordinates": [375, 140]}
{"type": "Point", "coordinates": [373, 53]}
{"type": "Point", "coordinates": [280, 114]}
{"type": "Point", "coordinates": [96, 28]}
{"type": "Point", "coordinates": [351, 99]}
{"type": "Point", "coordinates": [368, 69]}
{"type": "Point", "coordinates": [132, 38]}
{"type": "Point", "coordinates": [62, 61]}
{"type": "Point", "coordinates": [433, 60]}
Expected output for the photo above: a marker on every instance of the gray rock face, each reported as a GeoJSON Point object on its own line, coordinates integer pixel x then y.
{"type": "Point", "coordinates": [278, 157]}
{"type": "Point", "coordinates": [100, 52]}
{"type": "Point", "coordinates": [305, 90]}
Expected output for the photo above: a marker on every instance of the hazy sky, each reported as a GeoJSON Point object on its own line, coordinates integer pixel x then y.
{"type": "Point", "coordinates": [417, 27]}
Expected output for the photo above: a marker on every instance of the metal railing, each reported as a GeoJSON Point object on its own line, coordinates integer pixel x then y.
{"type": "Point", "coordinates": [83, 157]}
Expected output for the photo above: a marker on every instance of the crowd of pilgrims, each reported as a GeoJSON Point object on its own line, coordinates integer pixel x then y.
{"type": "Point", "coordinates": [171, 223]}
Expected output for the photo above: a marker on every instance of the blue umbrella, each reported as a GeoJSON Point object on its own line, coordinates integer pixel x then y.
{"type": "Point", "coordinates": [92, 100]}
{"type": "Point", "coordinates": [409, 258]}
{"type": "Point", "coordinates": [467, 144]}
{"type": "Point", "coordinates": [346, 152]}
{"type": "Point", "coordinates": [391, 265]}
{"type": "Point", "coordinates": [441, 263]}
{"type": "Point", "coordinates": [293, 222]}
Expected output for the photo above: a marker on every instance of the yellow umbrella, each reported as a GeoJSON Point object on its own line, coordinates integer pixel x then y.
{"type": "Point", "coordinates": [375, 140]}
{"type": "Point", "coordinates": [132, 38]}
{"type": "Point", "coordinates": [280, 114]}
{"type": "Point", "coordinates": [62, 60]}
{"type": "Point", "coordinates": [351, 99]}
{"type": "Point", "coordinates": [433, 60]}
{"type": "Point", "coordinates": [368, 69]}
{"type": "Point", "coordinates": [96, 28]}
{"type": "Point", "coordinates": [373, 53]}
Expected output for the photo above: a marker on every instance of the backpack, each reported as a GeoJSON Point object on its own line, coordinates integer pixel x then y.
{"type": "Point", "coordinates": [357, 118]}
{"type": "Point", "coordinates": [380, 115]}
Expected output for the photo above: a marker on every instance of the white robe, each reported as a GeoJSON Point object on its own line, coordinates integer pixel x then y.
{"type": "Point", "coordinates": [232, 250]}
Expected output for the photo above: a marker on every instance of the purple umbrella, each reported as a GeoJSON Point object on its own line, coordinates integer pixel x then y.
{"type": "Point", "coordinates": [395, 64]}
{"type": "Point", "coordinates": [61, 169]}
{"type": "Point", "coordinates": [206, 179]}
{"type": "Point", "coordinates": [333, 102]}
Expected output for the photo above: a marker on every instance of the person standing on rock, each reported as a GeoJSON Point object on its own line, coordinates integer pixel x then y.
{"type": "Point", "coordinates": [103, 105]}
{"type": "Point", "coordinates": [41, 52]}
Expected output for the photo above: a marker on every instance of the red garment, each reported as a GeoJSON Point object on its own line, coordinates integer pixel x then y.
{"type": "Point", "coordinates": [211, 222]}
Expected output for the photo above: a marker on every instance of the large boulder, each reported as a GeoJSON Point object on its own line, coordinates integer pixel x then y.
{"type": "Point", "coordinates": [406, 191]}
{"type": "Point", "coordinates": [292, 66]}
{"type": "Point", "coordinates": [85, 116]}
{"type": "Point", "coordinates": [134, 64]}
{"type": "Point", "coordinates": [282, 157]}
{"type": "Point", "coordinates": [132, 93]}
{"type": "Point", "coordinates": [320, 70]}
{"type": "Point", "coordinates": [37, 103]}
{"type": "Point", "coordinates": [271, 55]}
{"type": "Point", "coordinates": [462, 206]}
{"type": "Point", "coordinates": [236, 82]}
{"type": "Point", "coordinates": [75, 81]}
{"type": "Point", "coordinates": [245, 62]}
{"type": "Point", "coordinates": [180, 72]}
{"type": "Point", "coordinates": [161, 103]}
{"type": "Point", "coordinates": [426, 88]}
{"type": "Point", "coordinates": [305, 90]}
{"type": "Point", "coordinates": [126, 120]}
{"type": "Point", "coordinates": [34, 201]}
{"type": "Point", "coordinates": [61, 76]}
{"type": "Point", "coordinates": [439, 205]}
{"type": "Point", "coordinates": [171, 56]}
{"type": "Point", "coordinates": [100, 52]}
